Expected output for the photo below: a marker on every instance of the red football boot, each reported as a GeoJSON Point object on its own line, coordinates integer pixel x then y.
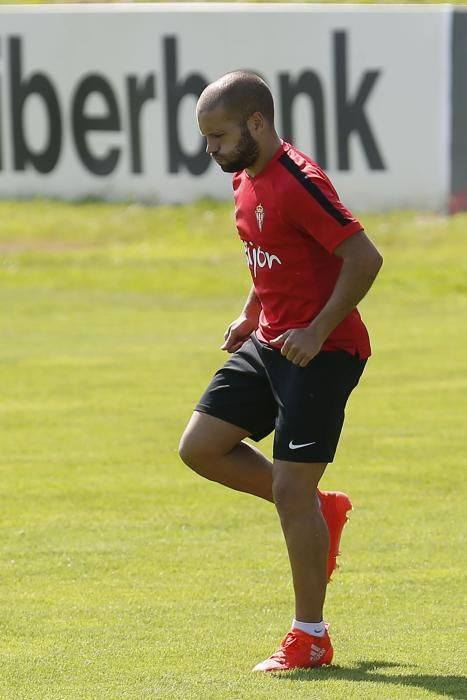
{"type": "Point", "coordinates": [334, 506]}
{"type": "Point", "coordinates": [299, 650]}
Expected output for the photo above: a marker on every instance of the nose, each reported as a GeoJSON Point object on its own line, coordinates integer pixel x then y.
{"type": "Point", "coordinates": [211, 148]}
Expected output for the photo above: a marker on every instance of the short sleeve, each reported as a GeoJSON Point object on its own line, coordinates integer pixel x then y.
{"type": "Point", "coordinates": [313, 206]}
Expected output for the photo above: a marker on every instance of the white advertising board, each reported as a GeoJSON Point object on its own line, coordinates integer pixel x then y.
{"type": "Point", "coordinates": [99, 101]}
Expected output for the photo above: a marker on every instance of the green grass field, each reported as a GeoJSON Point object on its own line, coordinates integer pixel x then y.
{"type": "Point", "coordinates": [233, 2]}
{"type": "Point", "coordinates": [123, 574]}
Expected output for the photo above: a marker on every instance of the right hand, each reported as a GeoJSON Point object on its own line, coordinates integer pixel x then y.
{"type": "Point", "coordinates": [236, 334]}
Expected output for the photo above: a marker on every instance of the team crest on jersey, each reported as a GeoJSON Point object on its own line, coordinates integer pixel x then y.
{"type": "Point", "coordinates": [259, 211]}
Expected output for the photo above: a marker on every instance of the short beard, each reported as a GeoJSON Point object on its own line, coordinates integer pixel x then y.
{"type": "Point", "coordinates": [245, 155]}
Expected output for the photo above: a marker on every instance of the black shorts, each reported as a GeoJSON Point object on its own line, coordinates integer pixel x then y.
{"type": "Point", "coordinates": [259, 390]}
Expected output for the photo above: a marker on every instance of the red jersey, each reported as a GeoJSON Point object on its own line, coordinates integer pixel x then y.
{"type": "Point", "coordinates": [290, 220]}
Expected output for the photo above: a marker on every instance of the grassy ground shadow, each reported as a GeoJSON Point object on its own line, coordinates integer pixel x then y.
{"type": "Point", "coordinates": [370, 671]}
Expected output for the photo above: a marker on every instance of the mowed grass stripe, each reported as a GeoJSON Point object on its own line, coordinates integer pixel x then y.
{"type": "Point", "coordinates": [126, 576]}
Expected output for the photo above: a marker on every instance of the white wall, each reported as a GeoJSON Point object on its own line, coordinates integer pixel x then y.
{"type": "Point", "coordinates": [399, 54]}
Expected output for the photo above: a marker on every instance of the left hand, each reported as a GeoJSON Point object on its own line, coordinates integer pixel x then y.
{"type": "Point", "coordinates": [299, 345]}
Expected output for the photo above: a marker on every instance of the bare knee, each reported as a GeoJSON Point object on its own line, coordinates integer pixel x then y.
{"type": "Point", "coordinates": [195, 452]}
{"type": "Point", "coordinates": [203, 445]}
{"type": "Point", "coordinates": [289, 498]}
{"type": "Point", "coordinates": [294, 489]}
{"type": "Point", "coordinates": [206, 441]}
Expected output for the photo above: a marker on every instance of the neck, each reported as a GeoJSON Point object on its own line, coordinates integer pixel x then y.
{"type": "Point", "coordinates": [266, 154]}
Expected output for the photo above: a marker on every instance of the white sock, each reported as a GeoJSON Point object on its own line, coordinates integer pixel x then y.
{"type": "Point", "coordinates": [317, 629]}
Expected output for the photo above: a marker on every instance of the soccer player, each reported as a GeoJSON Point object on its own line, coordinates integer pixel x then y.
{"type": "Point", "coordinates": [298, 348]}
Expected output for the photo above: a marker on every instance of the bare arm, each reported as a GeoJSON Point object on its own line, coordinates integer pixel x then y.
{"type": "Point", "coordinates": [361, 264]}
{"type": "Point", "coordinates": [240, 329]}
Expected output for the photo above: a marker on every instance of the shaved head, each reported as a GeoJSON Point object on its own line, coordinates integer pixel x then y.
{"type": "Point", "coordinates": [236, 116]}
{"type": "Point", "coordinates": [240, 94]}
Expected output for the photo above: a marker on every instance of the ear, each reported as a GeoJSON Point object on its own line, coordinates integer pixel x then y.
{"type": "Point", "coordinates": [256, 123]}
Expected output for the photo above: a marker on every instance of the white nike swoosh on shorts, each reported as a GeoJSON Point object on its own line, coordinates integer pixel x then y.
{"type": "Point", "coordinates": [297, 447]}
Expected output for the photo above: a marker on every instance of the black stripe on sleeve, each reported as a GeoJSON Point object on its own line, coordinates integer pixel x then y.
{"type": "Point", "coordinates": [313, 189]}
